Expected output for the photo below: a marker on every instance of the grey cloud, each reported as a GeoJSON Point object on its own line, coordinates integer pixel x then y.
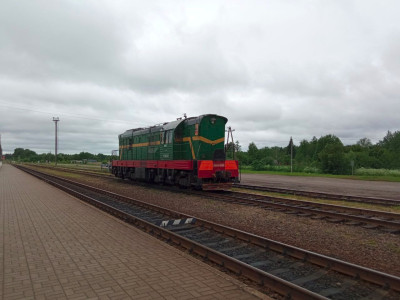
{"type": "Point", "coordinates": [276, 69]}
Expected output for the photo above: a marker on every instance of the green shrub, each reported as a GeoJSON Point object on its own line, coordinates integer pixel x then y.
{"type": "Point", "coordinates": [313, 170]}
{"type": "Point", "coordinates": [377, 172]}
{"type": "Point", "coordinates": [258, 165]}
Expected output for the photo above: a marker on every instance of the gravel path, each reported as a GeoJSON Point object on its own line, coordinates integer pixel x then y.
{"type": "Point", "coordinates": [381, 189]}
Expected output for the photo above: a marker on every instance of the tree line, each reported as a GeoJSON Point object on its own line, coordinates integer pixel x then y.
{"type": "Point", "coordinates": [326, 154]}
{"type": "Point", "coordinates": [27, 155]}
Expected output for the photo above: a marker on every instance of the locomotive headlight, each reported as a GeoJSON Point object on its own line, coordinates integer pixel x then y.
{"type": "Point", "coordinates": [212, 120]}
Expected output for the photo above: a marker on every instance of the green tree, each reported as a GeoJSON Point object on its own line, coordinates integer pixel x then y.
{"type": "Point", "coordinates": [323, 141]}
{"type": "Point", "coordinates": [243, 158]}
{"type": "Point", "coordinates": [390, 147]}
{"type": "Point", "coordinates": [305, 152]}
{"type": "Point", "coordinates": [333, 160]}
{"type": "Point", "coordinates": [391, 141]}
{"type": "Point", "coordinates": [253, 152]}
{"type": "Point", "coordinates": [364, 143]}
{"type": "Point", "coordinates": [24, 155]}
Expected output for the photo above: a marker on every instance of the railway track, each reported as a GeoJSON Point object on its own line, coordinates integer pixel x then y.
{"type": "Point", "coordinates": [292, 272]}
{"type": "Point", "coordinates": [310, 194]}
{"type": "Point", "coordinates": [320, 195]}
{"type": "Point", "coordinates": [76, 171]}
{"type": "Point", "coordinates": [372, 219]}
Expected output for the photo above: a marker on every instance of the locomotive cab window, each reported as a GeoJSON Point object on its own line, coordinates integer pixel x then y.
{"type": "Point", "coordinates": [168, 137]}
{"type": "Point", "coordinates": [178, 134]}
{"type": "Point", "coordinates": [161, 137]}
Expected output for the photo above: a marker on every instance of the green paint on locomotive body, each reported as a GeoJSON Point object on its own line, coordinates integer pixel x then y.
{"type": "Point", "coordinates": [213, 129]}
{"type": "Point", "coordinates": [197, 138]}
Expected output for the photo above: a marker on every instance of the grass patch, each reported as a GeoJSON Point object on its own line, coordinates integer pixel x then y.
{"type": "Point", "coordinates": [60, 173]}
{"type": "Point", "coordinates": [86, 167]}
{"type": "Point", "coordinates": [395, 248]}
{"type": "Point", "coordinates": [372, 243]}
{"type": "Point", "coordinates": [377, 172]}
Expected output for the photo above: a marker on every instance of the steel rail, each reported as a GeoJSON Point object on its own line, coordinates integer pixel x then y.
{"type": "Point", "coordinates": [283, 287]}
{"type": "Point", "coordinates": [311, 194]}
{"type": "Point", "coordinates": [261, 277]}
{"type": "Point", "coordinates": [366, 216]}
{"type": "Point", "coordinates": [321, 195]}
{"type": "Point", "coordinates": [363, 216]}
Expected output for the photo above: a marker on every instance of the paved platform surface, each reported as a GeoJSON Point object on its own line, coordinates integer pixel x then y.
{"type": "Point", "coordinates": [380, 189]}
{"type": "Point", "coordinates": [53, 246]}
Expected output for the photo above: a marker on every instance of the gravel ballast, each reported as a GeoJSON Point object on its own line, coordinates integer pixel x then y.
{"type": "Point", "coordinates": [369, 248]}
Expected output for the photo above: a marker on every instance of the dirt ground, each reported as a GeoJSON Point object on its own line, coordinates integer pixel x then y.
{"type": "Point", "coordinates": [380, 189]}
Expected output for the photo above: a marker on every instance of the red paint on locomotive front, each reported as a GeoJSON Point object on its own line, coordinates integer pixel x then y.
{"type": "Point", "coordinates": [209, 168]}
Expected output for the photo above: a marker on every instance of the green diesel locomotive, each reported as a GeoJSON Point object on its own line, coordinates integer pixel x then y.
{"type": "Point", "coordinates": [186, 152]}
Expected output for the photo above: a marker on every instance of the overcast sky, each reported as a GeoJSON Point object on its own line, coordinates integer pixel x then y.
{"type": "Point", "coordinates": [275, 69]}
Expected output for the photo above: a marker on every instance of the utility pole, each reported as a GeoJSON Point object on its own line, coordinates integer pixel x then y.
{"type": "Point", "coordinates": [230, 130]}
{"type": "Point", "coordinates": [1, 150]}
{"type": "Point", "coordinates": [56, 120]}
{"type": "Point", "coordinates": [291, 155]}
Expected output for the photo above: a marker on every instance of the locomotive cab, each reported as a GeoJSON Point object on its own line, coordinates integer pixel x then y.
{"type": "Point", "coordinates": [213, 170]}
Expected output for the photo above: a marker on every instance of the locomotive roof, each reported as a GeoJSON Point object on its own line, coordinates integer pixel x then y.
{"type": "Point", "coordinates": [173, 124]}
{"type": "Point", "coordinates": [166, 126]}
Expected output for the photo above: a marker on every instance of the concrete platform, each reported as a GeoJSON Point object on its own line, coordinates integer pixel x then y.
{"type": "Point", "coordinates": [53, 246]}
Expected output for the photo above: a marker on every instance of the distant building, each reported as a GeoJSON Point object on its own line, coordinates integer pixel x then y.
{"type": "Point", "coordinates": [76, 161]}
